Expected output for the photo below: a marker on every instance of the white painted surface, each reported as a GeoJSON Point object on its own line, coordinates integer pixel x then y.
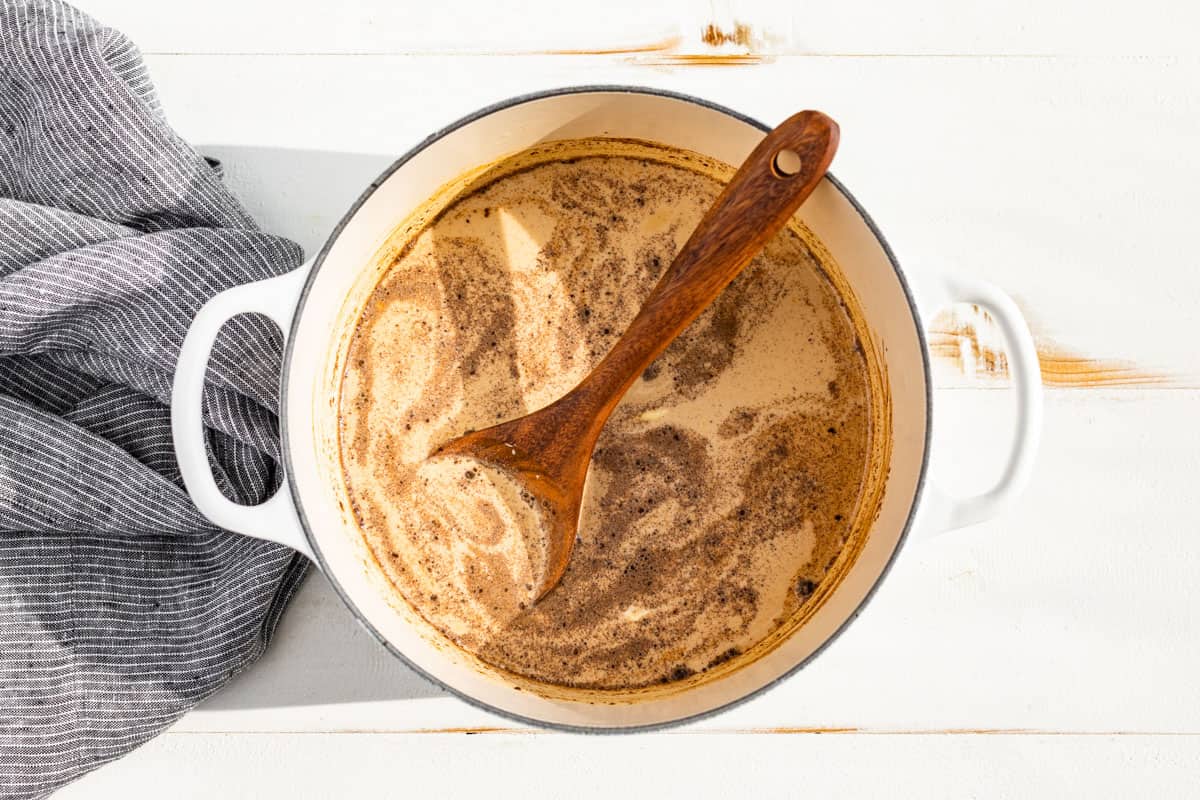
{"type": "Point", "coordinates": [1071, 180]}
{"type": "Point", "coordinates": [920, 767]}
{"type": "Point", "coordinates": [924, 27]}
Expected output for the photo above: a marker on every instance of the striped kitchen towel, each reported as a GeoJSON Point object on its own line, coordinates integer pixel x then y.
{"type": "Point", "coordinates": [120, 606]}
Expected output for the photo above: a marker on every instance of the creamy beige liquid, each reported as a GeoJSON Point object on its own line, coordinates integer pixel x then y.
{"type": "Point", "coordinates": [722, 489]}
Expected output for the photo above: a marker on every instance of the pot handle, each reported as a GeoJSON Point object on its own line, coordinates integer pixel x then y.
{"type": "Point", "coordinates": [275, 519]}
{"type": "Point", "coordinates": [942, 511]}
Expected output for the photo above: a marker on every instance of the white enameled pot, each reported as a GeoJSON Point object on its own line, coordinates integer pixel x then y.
{"type": "Point", "coordinates": [310, 305]}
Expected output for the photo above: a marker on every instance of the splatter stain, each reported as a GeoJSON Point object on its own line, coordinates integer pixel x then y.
{"type": "Point", "coordinates": [968, 337]}
{"type": "Point", "coordinates": [742, 34]}
{"type": "Point", "coordinates": [971, 341]}
{"type": "Point", "coordinates": [717, 47]}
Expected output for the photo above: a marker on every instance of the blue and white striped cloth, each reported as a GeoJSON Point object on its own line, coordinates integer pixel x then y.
{"type": "Point", "coordinates": [120, 606]}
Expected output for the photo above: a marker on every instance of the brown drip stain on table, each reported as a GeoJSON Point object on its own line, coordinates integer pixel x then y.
{"type": "Point", "coordinates": [972, 344]}
{"type": "Point", "coordinates": [704, 60]}
{"type": "Point", "coordinates": [667, 51]}
{"type": "Point", "coordinates": [743, 47]}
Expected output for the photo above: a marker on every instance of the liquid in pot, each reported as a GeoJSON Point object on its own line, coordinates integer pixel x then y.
{"type": "Point", "coordinates": [723, 489]}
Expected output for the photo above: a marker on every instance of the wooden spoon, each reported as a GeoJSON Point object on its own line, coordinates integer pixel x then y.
{"type": "Point", "coordinates": [548, 451]}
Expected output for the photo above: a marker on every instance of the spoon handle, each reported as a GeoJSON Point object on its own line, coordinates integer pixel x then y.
{"type": "Point", "coordinates": [779, 175]}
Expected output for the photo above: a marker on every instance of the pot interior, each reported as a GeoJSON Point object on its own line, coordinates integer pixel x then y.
{"type": "Point", "coordinates": [349, 268]}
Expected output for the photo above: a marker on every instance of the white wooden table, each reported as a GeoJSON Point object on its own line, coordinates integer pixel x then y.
{"type": "Point", "coordinates": [1050, 147]}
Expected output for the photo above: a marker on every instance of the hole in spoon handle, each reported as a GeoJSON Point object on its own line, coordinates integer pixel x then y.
{"type": "Point", "coordinates": [787, 162]}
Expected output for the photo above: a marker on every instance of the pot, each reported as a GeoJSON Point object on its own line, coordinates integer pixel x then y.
{"type": "Point", "coordinates": [311, 305]}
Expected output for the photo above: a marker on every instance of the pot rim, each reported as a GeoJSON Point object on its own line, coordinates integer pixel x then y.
{"type": "Point", "coordinates": [285, 433]}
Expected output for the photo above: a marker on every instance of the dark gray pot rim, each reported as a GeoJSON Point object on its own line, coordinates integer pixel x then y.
{"type": "Point", "coordinates": [285, 433]}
